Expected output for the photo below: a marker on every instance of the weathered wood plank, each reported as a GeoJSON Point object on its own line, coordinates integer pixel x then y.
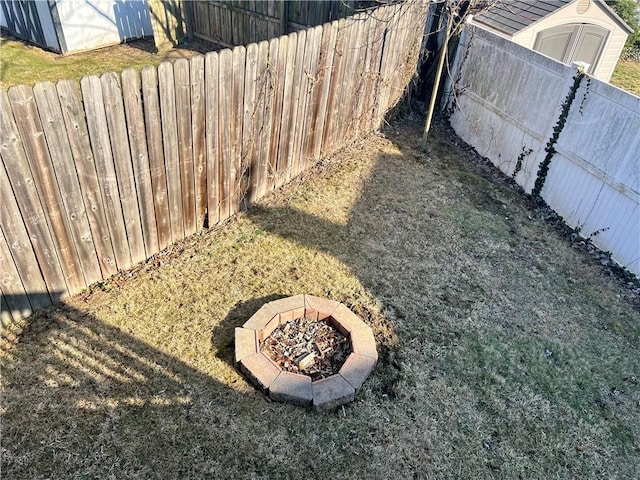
{"type": "Point", "coordinates": [229, 19]}
{"type": "Point", "coordinates": [297, 98]}
{"type": "Point", "coordinates": [398, 38]}
{"type": "Point", "coordinates": [225, 131]}
{"type": "Point", "coordinates": [105, 169]}
{"type": "Point", "coordinates": [11, 285]}
{"type": "Point", "coordinates": [249, 170]}
{"type": "Point", "coordinates": [132, 93]}
{"type": "Point", "coordinates": [386, 92]}
{"type": "Point", "coordinates": [362, 63]}
{"type": "Point", "coordinates": [35, 146]}
{"type": "Point", "coordinates": [261, 124]}
{"type": "Point", "coordinates": [20, 246]}
{"type": "Point", "coordinates": [171, 151]}
{"type": "Point", "coordinates": [251, 23]}
{"type": "Point", "coordinates": [6, 318]}
{"type": "Point", "coordinates": [78, 135]}
{"type": "Point", "coordinates": [294, 11]}
{"type": "Point", "coordinates": [284, 165]}
{"type": "Point", "coordinates": [216, 26]}
{"type": "Point", "coordinates": [237, 169]}
{"type": "Point", "coordinates": [278, 69]}
{"type": "Point", "coordinates": [249, 139]}
{"type": "Point", "coordinates": [271, 82]}
{"type": "Point", "coordinates": [19, 179]}
{"type": "Point", "coordinates": [347, 83]}
{"type": "Point", "coordinates": [333, 103]}
{"type": "Point", "coordinates": [212, 136]}
{"type": "Point", "coordinates": [157, 172]}
{"type": "Point", "coordinates": [352, 79]}
{"type": "Point", "coordinates": [67, 178]}
{"type": "Point", "coordinates": [121, 152]}
{"type": "Point", "coordinates": [382, 86]}
{"type": "Point", "coordinates": [204, 19]}
{"type": "Point", "coordinates": [275, 27]}
{"type": "Point", "coordinates": [325, 72]}
{"type": "Point", "coordinates": [376, 31]}
{"type": "Point", "coordinates": [185, 143]}
{"type": "Point", "coordinates": [167, 23]}
{"type": "Point", "coordinates": [306, 85]}
{"type": "Point", "coordinates": [198, 128]}
{"type": "Point", "coordinates": [313, 95]}
{"type": "Point", "coordinates": [262, 23]}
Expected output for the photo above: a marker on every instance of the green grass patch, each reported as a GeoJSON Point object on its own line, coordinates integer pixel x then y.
{"type": "Point", "coordinates": [627, 76]}
{"type": "Point", "coordinates": [24, 64]}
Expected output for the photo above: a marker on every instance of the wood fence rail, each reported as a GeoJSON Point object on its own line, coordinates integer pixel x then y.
{"type": "Point", "coordinates": [100, 176]}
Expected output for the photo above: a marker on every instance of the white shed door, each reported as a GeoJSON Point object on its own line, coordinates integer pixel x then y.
{"type": "Point", "coordinates": [573, 42]}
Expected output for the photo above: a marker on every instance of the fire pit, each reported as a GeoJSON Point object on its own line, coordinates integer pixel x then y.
{"type": "Point", "coordinates": [306, 350]}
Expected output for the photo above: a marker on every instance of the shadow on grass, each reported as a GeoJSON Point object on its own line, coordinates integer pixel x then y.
{"type": "Point", "coordinates": [81, 397]}
{"type": "Point", "coordinates": [222, 337]}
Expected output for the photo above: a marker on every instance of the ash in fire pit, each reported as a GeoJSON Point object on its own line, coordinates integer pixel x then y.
{"type": "Point", "coordinates": [311, 347]}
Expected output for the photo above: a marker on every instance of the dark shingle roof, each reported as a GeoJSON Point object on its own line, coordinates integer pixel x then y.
{"type": "Point", "coordinates": [512, 16]}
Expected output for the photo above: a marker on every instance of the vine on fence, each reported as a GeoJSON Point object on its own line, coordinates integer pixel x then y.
{"type": "Point", "coordinates": [559, 126]}
{"type": "Point", "coordinates": [525, 151]}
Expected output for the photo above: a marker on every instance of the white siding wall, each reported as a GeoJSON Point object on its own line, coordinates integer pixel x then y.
{"type": "Point", "coordinates": [88, 24]}
{"type": "Point", "coordinates": [511, 103]}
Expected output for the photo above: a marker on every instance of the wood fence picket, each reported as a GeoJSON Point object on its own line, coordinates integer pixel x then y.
{"type": "Point", "coordinates": [105, 169]}
{"type": "Point", "coordinates": [69, 192]}
{"type": "Point", "coordinates": [73, 113]}
{"type": "Point", "coordinates": [132, 94]}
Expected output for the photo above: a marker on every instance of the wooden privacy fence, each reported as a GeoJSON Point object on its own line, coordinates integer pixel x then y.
{"type": "Point", "coordinates": [100, 176]}
{"type": "Point", "coordinates": [238, 22]}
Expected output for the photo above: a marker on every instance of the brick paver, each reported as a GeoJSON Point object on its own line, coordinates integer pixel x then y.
{"type": "Point", "coordinates": [346, 320]}
{"type": "Point", "coordinates": [260, 370]}
{"type": "Point", "coordinates": [356, 369]}
{"type": "Point", "coordinates": [246, 343]}
{"type": "Point", "coordinates": [363, 342]}
{"type": "Point", "coordinates": [292, 387]}
{"type": "Point", "coordinates": [261, 318]}
{"type": "Point", "coordinates": [332, 392]}
{"type": "Point", "coordinates": [289, 308]}
{"type": "Point", "coordinates": [323, 306]}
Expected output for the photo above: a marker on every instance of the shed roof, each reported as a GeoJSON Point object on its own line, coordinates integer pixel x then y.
{"type": "Point", "coordinates": [512, 16]}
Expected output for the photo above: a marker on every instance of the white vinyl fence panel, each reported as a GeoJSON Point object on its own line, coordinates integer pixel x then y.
{"type": "Point", "coordinates": [506, 102]}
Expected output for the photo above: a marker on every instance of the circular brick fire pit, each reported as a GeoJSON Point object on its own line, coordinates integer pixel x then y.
{"type": "Point", "coordinates": [297, 388]}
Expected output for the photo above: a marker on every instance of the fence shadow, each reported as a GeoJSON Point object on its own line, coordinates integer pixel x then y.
{"type": "Point", "coordinates": [80, 395]}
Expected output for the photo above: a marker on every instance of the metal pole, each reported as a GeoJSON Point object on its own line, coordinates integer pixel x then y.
{"type": "Point", "coordinates": [436, 83]}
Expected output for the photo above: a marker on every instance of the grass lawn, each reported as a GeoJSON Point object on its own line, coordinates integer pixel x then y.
{"type": "Point", "coordinates": [627, 76]}
{"type": "Point", "coordinates": [505, 352]}
{"type": "Point", "coordinates": [23, 64]}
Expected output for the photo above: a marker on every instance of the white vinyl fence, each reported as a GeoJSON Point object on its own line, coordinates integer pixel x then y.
{"type": "Point", "coordinates": [507, 102]}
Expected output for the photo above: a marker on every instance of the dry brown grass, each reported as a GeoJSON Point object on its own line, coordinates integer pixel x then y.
{"type": "Point", "coordinates": [505, 352]}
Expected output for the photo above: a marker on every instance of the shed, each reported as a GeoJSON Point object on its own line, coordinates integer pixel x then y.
{"type": "Point", "coordinates": [568, 30]}
{"type": "Point", "coordinates": [67, 26]}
